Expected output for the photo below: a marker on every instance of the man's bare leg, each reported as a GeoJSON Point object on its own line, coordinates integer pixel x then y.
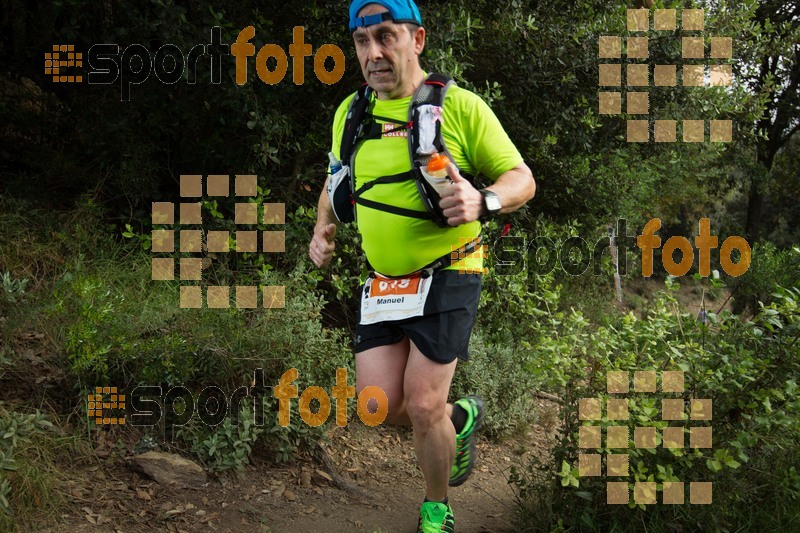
{"type": "Point", "coordinates": [427, 384]}
{"type": "Point", "coordinates": [385, 367]}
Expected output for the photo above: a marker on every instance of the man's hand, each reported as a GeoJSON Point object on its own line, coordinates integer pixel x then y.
{"type": "Point", "coordinates": [321, 248]}
{"type": "Point", "coordinates": [461, 202]}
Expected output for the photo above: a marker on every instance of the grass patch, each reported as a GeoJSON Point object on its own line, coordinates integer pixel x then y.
{"type": "Point", "coordinates": [32, 452]}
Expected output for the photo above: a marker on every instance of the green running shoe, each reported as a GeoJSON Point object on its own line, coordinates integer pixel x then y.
{"type": "Point", "coordinates": [465, 441]}
{"type": "Point", "coordinates": [436, 517]}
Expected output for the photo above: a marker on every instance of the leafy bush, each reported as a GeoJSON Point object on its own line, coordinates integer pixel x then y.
{"type": "Point", "coordinates": [20, 483]}
{"type": "Point", "coordinates": [232, 445]}
{"type": "Point", "coordinates": [748, 369]}
{"type": "Point", "coordinates": [229, 445]}
{"type": "Point", "coordinates": [496, 372]}
{"type": "Point", "coordinates": [100, 346]}
{"type": "Point", "coordinates": [770, 267]}
{"type": "Point", "coordinates": [525, 330]}
{"type": "Point", "coordinates": [117, 326]}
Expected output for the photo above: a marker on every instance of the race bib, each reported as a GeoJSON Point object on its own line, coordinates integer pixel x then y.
{"type": "Point", "coordinates": [393, 299]}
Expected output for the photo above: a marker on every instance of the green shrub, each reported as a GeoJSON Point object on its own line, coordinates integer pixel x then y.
{"type": "Point", "coordinates": [117, 326]}
{"type": "Point", "coordinates": [25, 482]}
{"type": "Point", "coordinates": [525, 329]}
{"type": "Point", "coordinates": [232, 445]}
{"type": "Point", "coordinates": [496, 372]}
{"type": "Point", "coordinates": [769, 268]}
{"type": "Point", "coordinates": [229, 445]}
{"type": "Point", "coordinates": [748, 369]}
{"type": "Point", "coordinates": [13, 289]}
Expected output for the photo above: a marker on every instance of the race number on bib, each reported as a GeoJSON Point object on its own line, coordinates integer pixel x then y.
{"type": "Point", "coordinates": [393, 299]}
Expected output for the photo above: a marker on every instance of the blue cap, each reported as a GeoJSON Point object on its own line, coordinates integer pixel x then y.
{"type": "Point", "coordinates": [399, 11]}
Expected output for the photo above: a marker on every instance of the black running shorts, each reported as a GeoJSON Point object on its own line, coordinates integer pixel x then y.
{"type": "Point", "coordinates": [442, 332]}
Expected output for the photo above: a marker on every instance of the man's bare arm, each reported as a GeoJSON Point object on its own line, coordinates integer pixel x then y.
{"type": "Point", "coordinates": [463, 203]}
{"type": "Point", "coordinates": [515, 188]}
{"type": "Point", "coordinates": [321, 248]}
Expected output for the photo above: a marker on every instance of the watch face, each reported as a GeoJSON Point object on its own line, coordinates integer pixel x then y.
{"type": "Point", "coordinates": [492, 202]}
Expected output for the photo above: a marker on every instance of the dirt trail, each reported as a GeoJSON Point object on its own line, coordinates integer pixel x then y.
{"type": "Point", "coordinates": [385, 492]}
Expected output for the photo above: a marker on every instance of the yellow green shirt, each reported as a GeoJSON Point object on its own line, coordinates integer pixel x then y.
{"type": "Point", "coordinates": [394, 244]}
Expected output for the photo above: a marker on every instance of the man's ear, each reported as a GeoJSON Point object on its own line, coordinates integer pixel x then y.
{"type": "Point", "coordinates": [419, 39]}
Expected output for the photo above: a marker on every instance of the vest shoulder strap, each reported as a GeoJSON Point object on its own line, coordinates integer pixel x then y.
{"type": "Point", "coordinates": [354, 122]}
{"type": "Point", "coordinates": [431, 91]}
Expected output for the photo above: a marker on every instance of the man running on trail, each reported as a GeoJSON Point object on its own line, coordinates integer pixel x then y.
{"type": "Point", "coordinates": [417, 309]}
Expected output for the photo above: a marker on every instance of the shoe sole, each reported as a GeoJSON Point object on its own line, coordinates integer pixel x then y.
{"type": "Point", "coordinates": [478, 421]}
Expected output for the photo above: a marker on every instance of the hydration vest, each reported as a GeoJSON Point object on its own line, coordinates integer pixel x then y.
{"type": "Point", "coordinates": [424, 139]}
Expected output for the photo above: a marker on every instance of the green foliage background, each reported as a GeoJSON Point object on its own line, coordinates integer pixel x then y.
{"type": "Point", "coordinates": [534, 62]}
{"type": "Point", "coordinates": [79, 169]}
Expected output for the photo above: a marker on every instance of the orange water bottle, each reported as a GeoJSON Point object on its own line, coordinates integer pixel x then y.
{"type": "Point", "coordinates": [437, 166]}
{"type": "Point", "coordinates": [436, 172]}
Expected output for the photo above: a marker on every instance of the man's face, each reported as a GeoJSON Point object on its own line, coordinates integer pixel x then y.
{"type": "Point", "coordinates": [389, 55]}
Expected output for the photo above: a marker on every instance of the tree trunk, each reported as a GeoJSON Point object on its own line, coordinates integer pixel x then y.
{"type": "Point", "coordinates": [755, 203]}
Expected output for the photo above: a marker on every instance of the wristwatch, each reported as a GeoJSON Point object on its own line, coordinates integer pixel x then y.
{"type": "Point", "coordinates": [491, 203]}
